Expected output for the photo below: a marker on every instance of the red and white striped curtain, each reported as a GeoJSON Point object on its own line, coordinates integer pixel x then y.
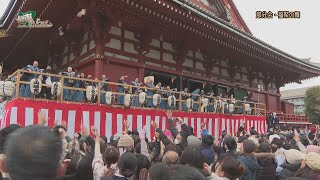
{"type": "Point", "coordinates": [110, 120]}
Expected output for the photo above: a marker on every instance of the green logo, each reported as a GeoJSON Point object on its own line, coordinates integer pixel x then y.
{"type": "Point", "coordinates": [28, 20]}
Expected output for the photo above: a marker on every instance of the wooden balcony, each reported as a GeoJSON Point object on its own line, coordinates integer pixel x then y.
{"type": "Point", "coordinates": [257, 109]}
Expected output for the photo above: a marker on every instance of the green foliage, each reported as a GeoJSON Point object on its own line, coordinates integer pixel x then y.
{"type": "Point", "coordinates": [312, 104]}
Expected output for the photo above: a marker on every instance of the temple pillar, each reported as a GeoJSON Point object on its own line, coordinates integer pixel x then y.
{"type": "Point", "coordinates": [180, 56]}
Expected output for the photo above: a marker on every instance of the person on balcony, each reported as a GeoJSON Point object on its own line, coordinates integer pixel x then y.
{"type": "Point", "coordinates": [78, 94]}
{"type": "Point", "coordinates": [46, 91]}
{"type": "Point", "coordinates": [136, 91]}
{"type": "Point", "coordinates": [121, 89]}
{"type": "Point", "coordinates": [68, 93]}
{"type": "Point", "coordinates": [29, 77]}
{"type": "Point", "coordinates": [104, 87]}
{"type": "Point", "coordinates": [149, 84]}
{"type": "Point", "coordinates": [185, 96]}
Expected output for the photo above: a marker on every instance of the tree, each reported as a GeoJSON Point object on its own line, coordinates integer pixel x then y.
{"type": "Point", "coordinates": [312, 104]}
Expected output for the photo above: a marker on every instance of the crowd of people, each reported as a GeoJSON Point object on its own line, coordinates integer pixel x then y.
{"type": "Point", "coordinates": [216, 103]}
{"type": "Point", "coordinates": [41, 153]}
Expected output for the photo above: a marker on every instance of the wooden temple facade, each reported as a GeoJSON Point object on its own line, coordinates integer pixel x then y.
{"type": "Point", "coordinates": [189, 43]}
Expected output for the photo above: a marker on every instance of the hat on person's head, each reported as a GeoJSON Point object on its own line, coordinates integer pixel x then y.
{"type": "Point", "coordinates": [313, 129]}
{"type": "Point", "coordinates": [127, 164]}
{"type": "Point", "coordinates": [194, 142]}
{"type": "Point", "coordinates": [125, 141]}
{"type": "Point", "coordinates": [271, 137]}
{"type": "Point", "coordinates": [294, 156]}
{"type": "Point", "coordinates": [313, 148]}
{"type": "Point", "coordinates": [313, 161]}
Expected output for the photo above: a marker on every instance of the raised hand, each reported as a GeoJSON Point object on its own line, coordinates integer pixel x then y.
{"type": "Point", "coordinates": [125, 124]}
{"type": "Point", "coordinates": [154, 124]}
{"type": "Point", "coordinates": [142, 133]}
{"type": "Point", "coordinates": [169, 114]}
{"type": "Point", "coordinates": [84, 131]}
{"type": "Point", "coordinates": [42, 120]}
{"type": "Point", "coordinates": [95, 133]}
{"type": "Point", "coordinates": [180, 120]}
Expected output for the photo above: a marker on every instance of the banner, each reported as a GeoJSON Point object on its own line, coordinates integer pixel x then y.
{"type": "Point", "coordinates": [109, 121]}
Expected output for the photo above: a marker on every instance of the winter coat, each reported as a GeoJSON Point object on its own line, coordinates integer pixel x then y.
{"type": "Point", "coordinates": [208, 153]}
{"type": "Point", "coordinates": [288, 170]}
{"type": "Point", "coordinates": [266, 166]}
{"type": "Point", "coordinates": [251, 165]}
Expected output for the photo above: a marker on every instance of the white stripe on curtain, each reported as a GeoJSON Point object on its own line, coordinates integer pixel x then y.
{"type": "Point", "coordinates": [232, 125]}
{"type": "Point", "coordinates": [223, 124]}
{"type": "Point", "coordinates": [45, 111]}
{"type": "Point", "coordinates": [198, 127]}
{"type": "Point", "coordinates": [164, 119]}
{"type": "Point", "coordinates": [97, 116]}
{"type": "Point", "coordinates": [86, 119]}
{"type": "Point", "coordinates": [119, 124]}
{"type": "Point", "coordinates": [58, 116]}
{"type": "Point", "coordinates": [108, 126]}
{"type": "Point", "coordinates": [148, 123]}
{"type": "Point", "coordinates": [29, 116]}
{"type": "Point", "coordinates": [13, 115]}
{"type": "Point", "coordinates": [139, 122]}
{"type": "Point", "coordinates": [185, 119]}
{"type": "Point", "coordinates": [228, 126]}
{"type": "Point", "coordinates": [192, 124]}
{"type": "Point", "coordinates": [216, 128]}
{"type": "Point", "coordinates": [157, 120]}
{"type": "Point", "coordinates": [210, 126]}
{"type": "Point", "coordinates": [71, 123]}
{"type": "Point", "coordinates": [129, 121]}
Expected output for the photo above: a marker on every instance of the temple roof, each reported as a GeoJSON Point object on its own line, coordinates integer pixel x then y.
{"type": "Point", "coordinates": [220, 22]}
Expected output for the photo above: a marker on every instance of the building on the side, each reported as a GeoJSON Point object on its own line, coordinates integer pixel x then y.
{"type": "Point", "coordinates": [182, 43]}
{"type": "Point", "coordinates": [297, 97]}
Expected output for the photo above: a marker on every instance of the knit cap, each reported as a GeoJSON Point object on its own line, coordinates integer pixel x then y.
{"type": "Point", "coordinates": [313, 161]}
{"type": "Point", "coordinates": [294, 156]}
{"type": "Point", "coordinates": [125, 141]}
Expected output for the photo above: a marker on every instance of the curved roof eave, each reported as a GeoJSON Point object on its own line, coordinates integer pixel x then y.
{"type": "Point", "coordinates": [245, 35]}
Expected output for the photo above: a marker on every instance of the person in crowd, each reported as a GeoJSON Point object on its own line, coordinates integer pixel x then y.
{"type": "Point", "coordinates": [207, 149]}
{"type": "Point", "coordinates": [4, 135]}
{"type": "Point", "coordinates": [229, 168]}
{"type": "Point", "coordinates": [126, 166]}
{"type": "Point", "coordinates": [231, 147]}
{"type": "Point", "coordinates": [38, 159]}
{"type": "Point", "coordinates": [266, 163]}
{"type": "Point", "coordinates": [104, 87]}
{"type": "Point", "coordinates": [310, 167]}
{"type": "Point", "coordinates": [292, 164]}
{"type": "Point", "coordinates": [68, 93]}
{"type": "Point", "coordinates": [135, 92]}
{"type": "Point", "coordinates": [248, 159]}
{"type": "Point", "coordinates": [121, 89]}
{"type": "Point", "coordinates": [159, 171]}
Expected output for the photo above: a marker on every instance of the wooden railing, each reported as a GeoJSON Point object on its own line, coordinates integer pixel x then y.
{"type": "Point", "coordinates": [256, 108]}
{"type": "Point", "coordinates": [291, 117]}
